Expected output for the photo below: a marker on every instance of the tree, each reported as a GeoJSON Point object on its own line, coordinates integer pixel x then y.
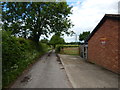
{"type": "Point", "coordinates": [33, 19]}
{"type": "Point", "coordinates": [84, 35]}
{"type": "Point", "coordinates": [56, 39]}
{"type": "Point", "coordinates": [44, 41]}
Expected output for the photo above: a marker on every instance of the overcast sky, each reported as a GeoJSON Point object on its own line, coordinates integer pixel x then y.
{"type": "Point", "coordinates": [88, 13]}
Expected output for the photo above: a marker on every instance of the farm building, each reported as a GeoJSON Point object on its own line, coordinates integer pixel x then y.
{"type": "Point", "coordinates": [104, 43]}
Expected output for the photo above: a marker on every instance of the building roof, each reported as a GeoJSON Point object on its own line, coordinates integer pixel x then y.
{"type": "Point", "coordinates": [107, 16]}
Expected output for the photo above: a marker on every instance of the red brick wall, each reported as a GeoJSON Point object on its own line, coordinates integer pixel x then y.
{"type": "Point", "coordinates": [119, 46]}
{"type": "Point", "coordinates": [105, 55]}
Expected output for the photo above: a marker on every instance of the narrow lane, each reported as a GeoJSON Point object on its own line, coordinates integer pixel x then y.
{"type": "Point", "coordinates": [46, 73]}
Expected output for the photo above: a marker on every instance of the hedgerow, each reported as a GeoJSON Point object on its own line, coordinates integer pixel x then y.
{"type": "Point", "coordinates": [17, 54]}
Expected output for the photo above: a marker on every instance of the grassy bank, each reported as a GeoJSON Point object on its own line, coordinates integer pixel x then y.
{"type": "Point", "coordinates": [17, 54]}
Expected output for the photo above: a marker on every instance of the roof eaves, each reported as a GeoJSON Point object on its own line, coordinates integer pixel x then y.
{"type": "Point", "coordinates": [96, 28]}
{"type": "Point", "coordinates": [113, 16]}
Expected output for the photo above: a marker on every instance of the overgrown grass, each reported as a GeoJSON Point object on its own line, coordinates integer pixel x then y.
{"type": "Point", "coordinates": [18, 54]}
{"type": "Point", "coordinates": [68, 49]}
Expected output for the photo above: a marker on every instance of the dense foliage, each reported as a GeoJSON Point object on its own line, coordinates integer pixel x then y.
{"type": "Point", "coordinates": [56, 39]}
{"type": "Point", "coordinates": [17, 54]}
{"type": "Point", "coordinates": [72, 43]}
{"type": "Point", "coordinates": [33, 19]}
{"type": "Point", "coordinates": [83, 36]}
{"type": "Point", "coordinates": [44, 41]}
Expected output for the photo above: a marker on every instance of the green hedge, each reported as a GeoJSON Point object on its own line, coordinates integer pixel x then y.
{"type": "Point", "coordinates": [17, 54]}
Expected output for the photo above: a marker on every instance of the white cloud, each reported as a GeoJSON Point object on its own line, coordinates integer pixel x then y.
{"type": "Point", "coordinates": [78, 2]}
{"type": "Point", "coordinates": [87, 14]}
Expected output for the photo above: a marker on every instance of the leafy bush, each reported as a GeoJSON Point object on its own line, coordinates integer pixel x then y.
{"type": "Point", "coordinates": [57, 49]}
{"type": "Point", "coordinates": [17, 54]}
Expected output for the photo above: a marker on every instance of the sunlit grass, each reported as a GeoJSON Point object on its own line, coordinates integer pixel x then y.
{"type": "Point", "coordinates": [70, 50]}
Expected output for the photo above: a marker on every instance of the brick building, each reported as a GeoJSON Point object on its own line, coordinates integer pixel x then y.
{"type": "Point", "coordinates": [104, 43]}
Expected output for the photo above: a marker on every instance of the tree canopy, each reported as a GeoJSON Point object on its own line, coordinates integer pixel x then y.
{"type": "Point", "coordinates": [56, 39]}
{"type": "Point", "coordinates": [84, 35]}
{"type": "Point", "coordinates": [44, 40]}
{"type": "Point", "coordinates": [33, 19]}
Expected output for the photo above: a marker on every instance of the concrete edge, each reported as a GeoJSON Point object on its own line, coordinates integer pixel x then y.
{"type": "Point", "coordinates": [68, 75]}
